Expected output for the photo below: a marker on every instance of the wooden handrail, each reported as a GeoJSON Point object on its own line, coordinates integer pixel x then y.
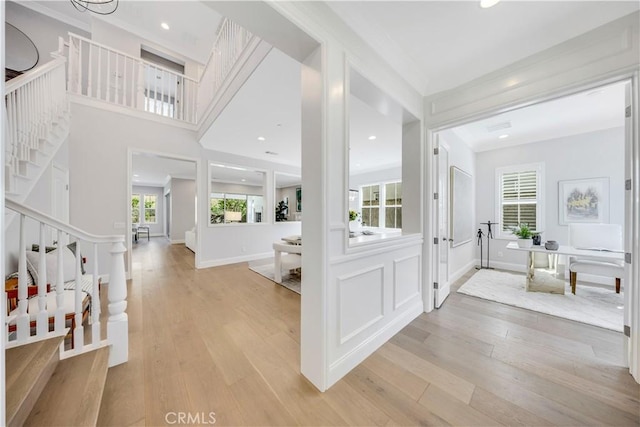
{"type": "Point", "coordinates": [23, 79]}
{"type": "Point", "coordinates": [57, 224]}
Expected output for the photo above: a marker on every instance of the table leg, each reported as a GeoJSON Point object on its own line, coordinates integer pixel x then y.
{"type": "Point", "coordinates": [544, 282]}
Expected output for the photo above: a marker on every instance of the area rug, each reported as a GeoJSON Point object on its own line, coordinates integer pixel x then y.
{"type": "Point", "coordinates": [289, 281]}
{"type": "Point", "coordinates": [592, 305]}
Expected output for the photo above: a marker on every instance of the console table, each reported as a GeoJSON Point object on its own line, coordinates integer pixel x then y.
{"type": "Point", "coordinates": [547, 281]}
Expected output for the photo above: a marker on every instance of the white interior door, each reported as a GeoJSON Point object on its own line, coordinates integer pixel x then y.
{"type": "Point", "coordinates": [441, 216]}
{"type": "Point", "coordinates": [59, 196]}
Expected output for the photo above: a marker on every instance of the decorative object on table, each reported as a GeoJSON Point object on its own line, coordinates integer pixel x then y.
{"type": "Point", "coordinates": [524, 234]}
{"type": "Point", "coordinates": [583, 200]}
{"type": "Point", "coordinates": [281, 211]}
{"type": "Point", "coordinates": [489, 235]}
{"type": "Point", "coordinates": [537, 239]}
{"type": "Point", "coordinates": [551, 245]}
{"type": "Point", "coordinates": [461, 205]}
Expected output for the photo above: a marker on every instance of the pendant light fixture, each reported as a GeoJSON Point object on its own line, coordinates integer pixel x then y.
{"type": "Point", "coordinates": [96, 6]}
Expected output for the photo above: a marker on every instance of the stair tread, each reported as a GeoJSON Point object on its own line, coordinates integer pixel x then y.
{"type": "Point", "coordinates": [74, 392]}
{"type": "Point", "coordinates": [28, 369]}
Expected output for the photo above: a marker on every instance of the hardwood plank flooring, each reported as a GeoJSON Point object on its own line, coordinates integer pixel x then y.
{"type": "Point", "coordinates": [226, 340]}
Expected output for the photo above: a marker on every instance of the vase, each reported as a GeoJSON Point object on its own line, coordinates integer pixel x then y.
{"type": "Point", "coordinates": [525, 243]}
{"type": "Point", "coordinates": [355, 226]}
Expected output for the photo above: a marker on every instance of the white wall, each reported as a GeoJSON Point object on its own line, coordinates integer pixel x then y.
{"type": "Point", "coordinates": [157, 228]}
{"type": "Point", "coordinates": [183, 208]}
{"type": "Point", "coordinates": [461, 156]}
{"type": "Point", "coordinates": [41, 29]}
{"type": "Point", "coordinates": [40, 199]}
{"type": "Point", "coordinates": [590, 155]}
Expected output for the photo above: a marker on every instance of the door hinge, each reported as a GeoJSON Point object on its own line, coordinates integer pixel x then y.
{"type": "Point", "coordinates": [627, 184]}
{"type": "Point", "coordinates": [627, 111]}
{"type": "Point", "coordinates": [627, 257]}
{"type": "Point", "coordinates": [627, 331]}
{"type": "Point", "coordinates": [435, 285]}
{"type": "Point", "coordinates": [435, 240]}
{"type": "Point", "coordinates": [435, 196]}
{"type": "Point", "coordinates": [436, 151]}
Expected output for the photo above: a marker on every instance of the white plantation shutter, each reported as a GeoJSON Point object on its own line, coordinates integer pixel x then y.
{"type": "Point", "coordinates": [519, 197]}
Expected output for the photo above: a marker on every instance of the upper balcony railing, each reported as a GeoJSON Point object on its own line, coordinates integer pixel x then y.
{"type": "Point", "coordinates": [100, 72]}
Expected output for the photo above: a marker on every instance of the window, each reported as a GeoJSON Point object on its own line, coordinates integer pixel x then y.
{"type": "Point", "coordinates": [519, 197]}
{"type": "Point", "coordinates": [382, 210]}
{"type": "Point", "coordinates": [135, 208]}
{"type": "Point", "coordinates": [150, 208]}
{"type": "Point", "coordinates": [234, 208]}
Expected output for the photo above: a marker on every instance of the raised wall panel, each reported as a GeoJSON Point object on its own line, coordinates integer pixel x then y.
{"type": "Point", "coordinates": [406, 280]}
{"type": "Point", "coordinates": [360, 301]}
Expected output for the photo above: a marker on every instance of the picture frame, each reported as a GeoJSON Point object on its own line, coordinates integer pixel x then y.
{"type": "Point", "coordinates": [461, 204]}
{"type": "Point", "coordinates": [298, 199]}
{"type": "Point", "coordinates": [583, 201]}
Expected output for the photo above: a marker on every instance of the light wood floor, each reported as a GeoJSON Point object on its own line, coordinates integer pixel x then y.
{"type": "Point", "coordinates": [226, 340]}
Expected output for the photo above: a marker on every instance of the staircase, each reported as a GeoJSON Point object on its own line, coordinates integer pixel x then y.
{"type": "Point", "coordinates": [37, 123]}
{"type": "Point", "coordinates": [43, 390]}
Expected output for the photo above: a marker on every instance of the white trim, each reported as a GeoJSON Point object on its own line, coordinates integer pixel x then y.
{"type": "Point", "coordinates": [233, 260]}
{"type": "Point", "coordinates": [462, 270]}
{"type": "Point", "coordinates": [175, 241]}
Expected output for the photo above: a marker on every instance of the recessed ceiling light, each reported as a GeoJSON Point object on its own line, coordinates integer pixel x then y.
{"type": "Point", "coordinates": [243, 180]}
{"type": "Point", "coordinates": [485, 4]}
{"type": "Point", "coordinates": [271, 153]}
{"type": "Point", "coordinates": [357, 165]}
{"type": "Point", "coordinates": [503, 136]}
{"type": "Point", "coordinates": [261, 138]}
{"type": "Point", "coordinates": [620, 307]}
{"type": "Point", "coordinates": [372, 137]}
{"type": "Point", "coordinates": [164, 26]}
{"type": "Point", "coordinates": [595, 92]}
{"type": "Point", "coordinates": [279, 125]}
{"type": "Point", "coordinates": [136, 175]}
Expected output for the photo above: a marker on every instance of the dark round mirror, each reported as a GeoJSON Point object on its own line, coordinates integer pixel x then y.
{"type": "Point", "coordinates": [21, 53]}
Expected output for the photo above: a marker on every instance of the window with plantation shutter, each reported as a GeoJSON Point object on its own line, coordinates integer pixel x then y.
{"type": "Point", "coordinates": [519, 197]}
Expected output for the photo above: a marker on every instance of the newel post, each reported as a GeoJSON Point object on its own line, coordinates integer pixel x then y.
{"type": "Point", "coordinates": [118, 324]}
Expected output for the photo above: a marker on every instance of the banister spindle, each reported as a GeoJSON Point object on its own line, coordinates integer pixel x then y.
{"type": "Point", "coordinates": [99, 73]}
{"type": "Point", "coordinates": [42, 321]}
{"type": "Point", "coordinates": [90, 71]}
{"type": "Point", "coordinates": [59, 316]}
{"type": "Point", "coordinates": [22, 320]}
{"type": "Point", "coordinates": [78, 333]}
{"type": "Point", "coordinates": [115, 76]}
{"type": "Point", "coordinates": [95, 300]}
{"type": "Point", "coordinates": [108, 76]}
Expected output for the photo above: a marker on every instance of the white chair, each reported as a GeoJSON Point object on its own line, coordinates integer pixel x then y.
{"type": "Point", "coordinates": [595, 236]}
{"type": "Point", "coordinates": [291, 260]}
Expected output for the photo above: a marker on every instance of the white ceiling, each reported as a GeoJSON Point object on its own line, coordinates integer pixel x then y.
{"type": "Point", "coordinates": [438, 45]}
{"type": "Point", "coordinates": [155, 171]}
{"type": "Point", "coordinates": [589, 111]}
{"type": "Point", "coordinates": [268, 106]}
{"type": "Point", "coordinates": [236, 175]}
{"type": "Point", "coordinates": [193, 25]}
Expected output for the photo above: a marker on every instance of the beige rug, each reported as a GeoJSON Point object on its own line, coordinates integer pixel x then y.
{"type": "Point", "coordinates": [592, 305]}
{"type": "Point", "coordinates": [289, 281]}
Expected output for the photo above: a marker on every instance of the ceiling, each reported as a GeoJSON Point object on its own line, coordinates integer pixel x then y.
{"type": "Point", "coordinates": [438, 45]}
{"type": "Point", "coordinates": [192, 24]}
{"type": "Point", "coordinates": [155, 171]}
{"type": "Point", "coordinates": [434, 45]}
{"type": "Point", "coordinates": [236, 175]}
{"type": "Point", "coordinates": [588, 111]}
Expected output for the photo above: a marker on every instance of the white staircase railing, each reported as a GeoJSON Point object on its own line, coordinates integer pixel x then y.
{"type": "Point", "coordinates": [231, 41]}
{"type": "Point", "coordinates": [69, 303]}
{"type": "Point", "coordinates": [100, 72]}
{"type": "Point", "coordinates": [35, 102]}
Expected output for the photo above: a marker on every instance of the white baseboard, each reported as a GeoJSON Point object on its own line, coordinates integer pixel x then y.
{"type": "Point", "coordinates": [104, 278]}
{"type": "Point", "coordinates": [177, 241]}
{"type": "Point", "coordinates": [462, 271]}
{"type": "Point", "coordinates": [233, 260]}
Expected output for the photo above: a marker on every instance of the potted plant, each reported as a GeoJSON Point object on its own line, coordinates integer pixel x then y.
{"type": "Point", "coordinates": [354, 221]}
{"type": "Point", "coordinates": [524, 234]}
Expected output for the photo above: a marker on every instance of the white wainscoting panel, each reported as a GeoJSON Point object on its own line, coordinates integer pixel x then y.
{"type": "Point", "coordinates": [360, 301]}
{"type": "Point", "coordinates": [406, 280]}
